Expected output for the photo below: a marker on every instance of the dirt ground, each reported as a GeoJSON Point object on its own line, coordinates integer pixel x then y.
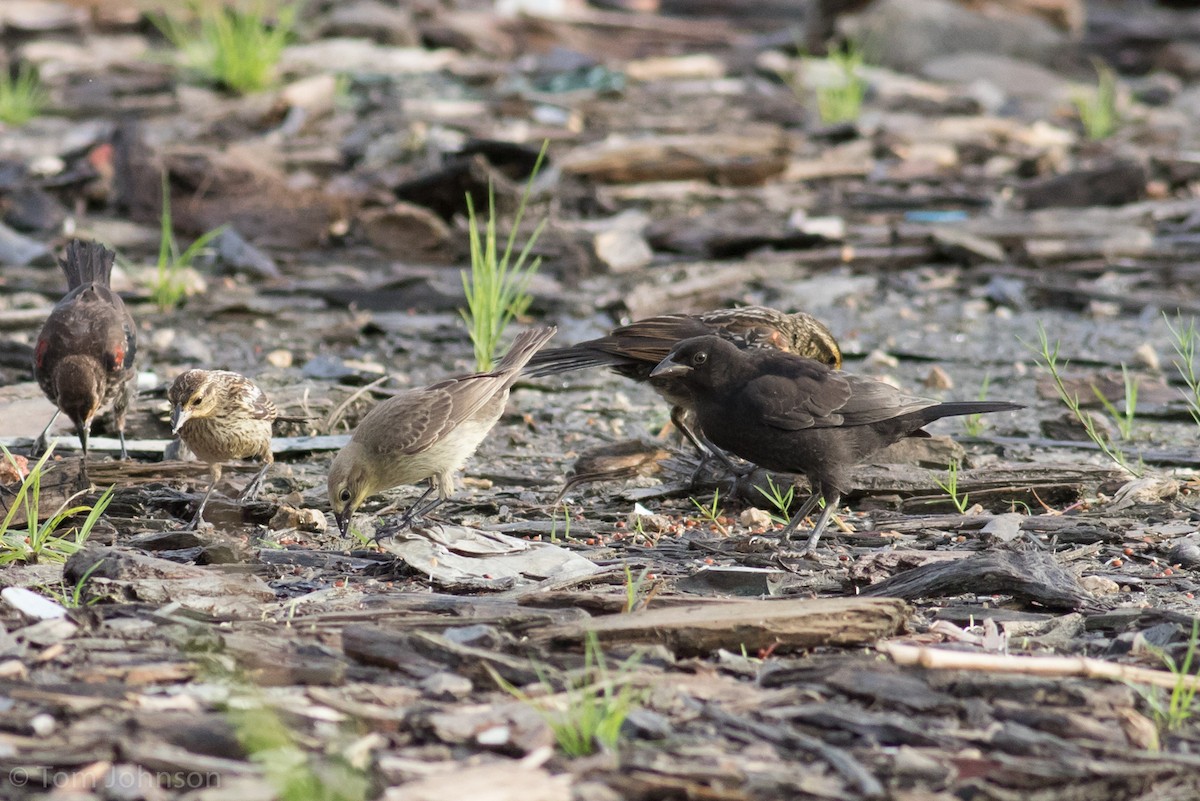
{"type": "Point", "coordinates": [1018, 647]}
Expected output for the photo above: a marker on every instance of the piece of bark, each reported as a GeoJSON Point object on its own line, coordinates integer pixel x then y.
{"type": "Point", "coordinates": [785, 624]}
{"type": "Point", "coordinates": [147, 578]}
{"type": "Point", "coordinates": [747, 158]}
{"type": "Point", "coordinates": [1114, 184]}
{"type": "Point", "coordinates": [410, 232]}
{"type": "Point", "coordinates": [1032, 576]}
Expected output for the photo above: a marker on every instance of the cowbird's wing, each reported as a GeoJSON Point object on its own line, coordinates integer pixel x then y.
{"type": "Point", "coordinates": [812, 399]}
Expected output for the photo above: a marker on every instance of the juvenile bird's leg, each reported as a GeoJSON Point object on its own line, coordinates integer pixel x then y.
{"type": "Point", "coordinates": [215, 471]}
{"type": "Point", "coordinates": [413, 514]}
{"type": "Point", "coordinates": [256, 484]}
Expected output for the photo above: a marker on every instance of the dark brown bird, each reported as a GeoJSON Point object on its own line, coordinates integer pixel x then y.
{"type": "Point", "coordinates": [85, 353]}
{"type": "Point", "coordinates": [425, 434]}
{"type": "Point", "coordinates": [634, 350]}
{"type": "Point", "coordinates": [796, 415]}
{"type": "Point", "coordinates": [223, 416]}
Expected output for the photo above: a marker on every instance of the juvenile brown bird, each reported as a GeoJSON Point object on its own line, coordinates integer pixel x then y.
{"type": "Point", "coordinates": [425, 434]}
{"type": "Point", "coordinates": [796, 415]}
{"type": "Point", "coordinates": [634, 350]}
{"type": "Point", "coordinates": [223, 416]}
{"type": "Point", "coordinates": [85, 353]}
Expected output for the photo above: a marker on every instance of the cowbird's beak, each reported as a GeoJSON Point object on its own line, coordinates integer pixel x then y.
{"type": "Point", "coordinates": [343, 521]}
{"type": "Point", "coordinates": [670, 369]}
{"type": "Point", "coordinates": [179, 416]}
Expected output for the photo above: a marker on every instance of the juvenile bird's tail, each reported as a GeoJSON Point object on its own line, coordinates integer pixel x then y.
{"type": "Point", "coordinates": [523, 347]}
{"type": "Point", "coordinates": [86, 263]}
{"type": "Point", "coordinates": [957, 408]}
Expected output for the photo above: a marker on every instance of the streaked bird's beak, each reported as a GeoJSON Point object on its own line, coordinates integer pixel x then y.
{"type": "Point", "coordinates": [179, 416]}
{"type": "Point", "coordinates": [343, 521]}
{"type": "Point", "coordinates": [670, 369]}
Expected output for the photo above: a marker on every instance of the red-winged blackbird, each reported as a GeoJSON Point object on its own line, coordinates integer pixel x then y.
{"type": "Point", "coordinates": [84, 357]}
{"type": "Point", "coordinates": [634, 350]}
{"type": "Point", "coordinates": [223, 416]}
{"type": "Point", "coordinates": [425, 434]}
{"type": "Point", "coordinates": [795, 415]}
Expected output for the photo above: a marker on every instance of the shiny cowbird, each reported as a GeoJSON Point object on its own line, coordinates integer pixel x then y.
{"type": "Point", "coordinates": [634, 350]}
{"type": "Point", "coordinates": [795, 415]}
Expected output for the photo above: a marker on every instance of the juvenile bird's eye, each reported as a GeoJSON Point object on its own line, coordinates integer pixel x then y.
{"type": "Point", "coordinates": [700, 358]}
{"type": "Point", "coordinates": [345, 496]}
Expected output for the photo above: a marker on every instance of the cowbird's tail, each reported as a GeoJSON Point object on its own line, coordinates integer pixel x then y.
{"type": "Point", "coordinates": [566, 360]}
{"type": "Point", "coordinates": [956, 408]}
{"type": "Point", "coordinates": [87, 263]}
{"type": "Point", "coordinates": [523, 347]}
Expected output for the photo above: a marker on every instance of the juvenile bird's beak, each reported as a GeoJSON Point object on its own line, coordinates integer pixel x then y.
{"type": "Point", "coordinates": [670, 369]}
{"type": "Point", "coordinates": [343, 521]}
{"type": "Point", "coordinates": [179, 416]}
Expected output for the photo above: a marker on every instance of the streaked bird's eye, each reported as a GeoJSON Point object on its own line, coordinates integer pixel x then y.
{"type": "Point", "coordinates": [345, 496]}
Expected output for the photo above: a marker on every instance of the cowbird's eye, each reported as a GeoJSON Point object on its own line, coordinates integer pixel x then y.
{"type": "Point", "coordinates": [700, 358]}
{"type": "Point", "coordinates": [345, 496]}
{"type": "Point", "coordinates": [196, 400]}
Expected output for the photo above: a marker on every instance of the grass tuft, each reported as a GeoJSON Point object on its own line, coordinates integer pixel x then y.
{"type": "Point", "coordinates": [950, 487]}
{"type": "Point", "coordinates": [235, 48]}
{"type": "Point", "coordinates": [594, 707]}
{"type": "Point", "coordinates": [22, 96]}
{"type": "Point", "coordinates": [1173, 711]}
{"type": "Point", "coordinates": [782, 501]}
{"type": "Point", "coordinates": [1048, 357]}
{"type": "Point", "coordinates": [842, 101]}
{"type": "Point", "coordinates": [1097, 107]}
{"type": "Point", "coordinates": [170, 283]}
{"type": "Point", "coordinates": [1186, 340]}
{"type": "Point", "coordinates": [497, 287]}
{"type": "Point", "coordinates": [39, 541]}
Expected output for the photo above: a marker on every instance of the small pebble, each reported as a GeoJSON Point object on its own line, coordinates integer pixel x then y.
{"type": "Point", "coordinates": [1099, 585]}
{"type": "Point", "coordinates": [755, 518]}
{"type": "Point", "coordinates": [938, 379]}
{"type": "Point", "coordinates": [280, 358]}
{"type": "Point", "coordinates": [1146, 356]}
{"type": "Point", "coordinates": [878, 358]}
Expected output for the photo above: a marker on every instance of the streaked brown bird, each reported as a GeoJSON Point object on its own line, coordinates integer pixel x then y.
{"type": "Point", "coordinates": [223, 416]}
{"type": "Point", "coordinates": [634, 350]}
{"type": "Point", "coordinates": [425, 435]}
{"type": "Point", "coordinates": [85, 353]}
{"type": "Point", "coordinates": [787, 413]}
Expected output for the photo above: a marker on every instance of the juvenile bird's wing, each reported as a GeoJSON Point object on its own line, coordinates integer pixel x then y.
{"type": "Point", "coordinates": [413, 421]}
{"type": "Point", "coordinates": [825, 400]}
{"type": "Point", "coordinates": [246, 394]}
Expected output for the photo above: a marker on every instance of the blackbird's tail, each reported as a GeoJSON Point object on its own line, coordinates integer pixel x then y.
{"type": "Point", "coordinates": [87, 263]}
{"type": "Point", "coordinates": [958, 408]}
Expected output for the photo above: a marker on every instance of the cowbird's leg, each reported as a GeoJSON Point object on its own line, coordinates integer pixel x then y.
{"type": "Point", "coordinates": [805, 510]}
{"type": "Point", "coordinates": [121, 438]}
{"type": "Point", "coordinates": [832, 497]}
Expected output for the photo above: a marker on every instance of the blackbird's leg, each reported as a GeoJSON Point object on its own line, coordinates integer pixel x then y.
{"type": "Point", "coordinates": [40, 444]}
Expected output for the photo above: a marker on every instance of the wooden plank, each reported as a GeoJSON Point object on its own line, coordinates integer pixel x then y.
{"type": "Point", "coordinates": [783, 625]}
